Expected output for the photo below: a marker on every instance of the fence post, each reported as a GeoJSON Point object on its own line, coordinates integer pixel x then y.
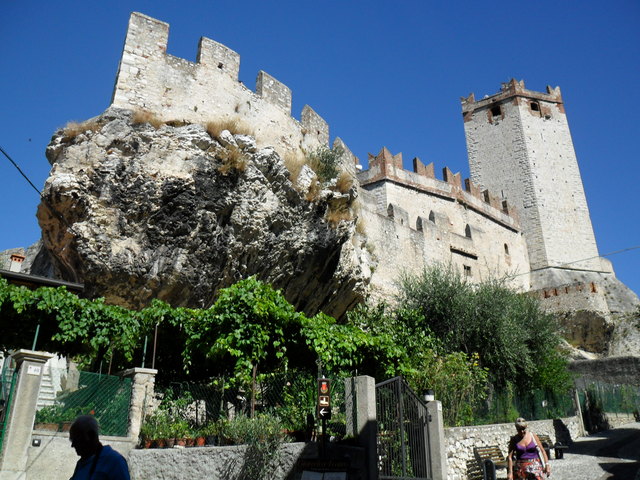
{"type": "Point", "coordinates": [578, 410]}
{"type": "Point", "coordinates": [437, 444]}
{"type": "Point", "coordinates": [361, 418]}
{"type": "Point", "coordinates": [13, 458]}
{"type": "Point", "coordinates": [142, 391]}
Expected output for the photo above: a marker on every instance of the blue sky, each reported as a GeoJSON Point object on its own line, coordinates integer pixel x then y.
{"type": "Point", "coordinates": [382, 73]}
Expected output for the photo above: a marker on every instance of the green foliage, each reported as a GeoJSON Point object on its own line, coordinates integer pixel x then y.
{"type": "Point", "coordinates": [422, 360]}
{"type": "Point", "coordinates": [513, 338]}
{"type": "Point", "coordinates": [326, 162]}
{"type": "Point", "coordinates": [244, 328]}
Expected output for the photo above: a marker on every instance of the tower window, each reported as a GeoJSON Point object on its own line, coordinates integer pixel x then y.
{"type": "Point", "coordinates": [496, 111]}
{"type": "Point", "coordinates": [432, 217]}
{"type": "Point", "coordinates": [467, 270]}
{"type": "Point", "coordinates": [467, 231]}
{"type": "Point", "coordinates": [535, 106]}
{"type": "Point", "coordinates": [506, 249]}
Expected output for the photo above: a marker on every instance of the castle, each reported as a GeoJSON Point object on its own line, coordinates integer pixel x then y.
{"type": "Point", "coordinates": [523, 213]}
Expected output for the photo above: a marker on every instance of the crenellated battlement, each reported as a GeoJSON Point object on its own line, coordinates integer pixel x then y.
{"type": "Point", "coordinates": [208, 90]}
{"type": "Point", "coordinates": [511, 91]}
{"type": "Point", "coordinates": [388, 167]}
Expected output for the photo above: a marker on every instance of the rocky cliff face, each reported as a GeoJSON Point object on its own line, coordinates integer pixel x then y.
{"type": "Point", "coordinates": [138, 212]}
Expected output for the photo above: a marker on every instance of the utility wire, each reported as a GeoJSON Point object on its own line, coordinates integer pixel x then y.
{"type": "Point", "coordinates": [43, 200]}
{"type": "Point", "coordinates": [510, 276]}
{"type": "Point", "coordinates": [575, 261]}
{"type": "Point", "coordinates": [20, 170]}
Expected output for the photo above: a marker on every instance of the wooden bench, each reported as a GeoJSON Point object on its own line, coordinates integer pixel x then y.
{"type": "Point", "coordinates": [488, 459]}
{"type": "Point", "coordinates": [547, 444]}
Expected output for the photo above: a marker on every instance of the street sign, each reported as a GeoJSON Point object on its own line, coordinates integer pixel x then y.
{"type": "Point", "coordinates": [324, 398]}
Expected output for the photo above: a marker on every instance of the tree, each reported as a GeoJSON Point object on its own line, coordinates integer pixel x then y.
{"type": "Point", "coordinates": [513, 338]}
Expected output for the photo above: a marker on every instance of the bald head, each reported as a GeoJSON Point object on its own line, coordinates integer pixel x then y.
{"type": "Point", "coordinates": [84, 435]}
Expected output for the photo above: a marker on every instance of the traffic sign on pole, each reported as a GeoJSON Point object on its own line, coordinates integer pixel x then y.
{"type": "Point", "coordinates": [324, 398]}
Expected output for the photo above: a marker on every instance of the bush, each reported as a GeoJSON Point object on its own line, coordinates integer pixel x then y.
{"type": "Point", "coordinates": [326, 162]}
{"type": "Point", "coordinates": [512, 337]}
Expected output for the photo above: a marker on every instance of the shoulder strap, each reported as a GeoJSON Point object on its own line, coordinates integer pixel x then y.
{"type": "Point", "coordinates": [535, 441]}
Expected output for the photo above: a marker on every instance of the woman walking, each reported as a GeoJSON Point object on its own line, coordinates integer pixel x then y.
{"type": "Point", "coordinates": [531, 461]}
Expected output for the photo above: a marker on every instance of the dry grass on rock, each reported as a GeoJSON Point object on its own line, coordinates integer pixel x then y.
{"type": "Point", "coordinates": [231, 159]}
{"type": "Point", "coordinates": [144, 116]}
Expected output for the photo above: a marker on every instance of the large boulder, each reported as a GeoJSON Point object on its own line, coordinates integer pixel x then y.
{"type": "Point", "coordinates": [138, 212]}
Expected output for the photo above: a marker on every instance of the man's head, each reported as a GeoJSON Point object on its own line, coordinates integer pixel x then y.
{"type": "Point", "coordinates": [84, 435]}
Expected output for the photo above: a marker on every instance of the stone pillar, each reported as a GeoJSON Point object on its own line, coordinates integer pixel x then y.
{"type": "Point", "coordinates": [142, 391]}
{"type": "Point", "coordinates": [13, 460]}
{"type": "Point", "coordinates": [437, 444]}
{"type": "Point", "coordinates": [361, 418]}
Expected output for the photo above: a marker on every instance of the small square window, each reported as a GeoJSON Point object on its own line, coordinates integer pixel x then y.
{"type": "Point", "coordinates": [467, 270]}
{"type": "Point", "coordinates": [496, 111]}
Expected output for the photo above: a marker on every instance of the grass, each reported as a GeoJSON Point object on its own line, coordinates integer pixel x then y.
{"type": "Point", "coordinates": [339, 214]}
{"type": "Point", "coordinates": [144, 116]}
{"type": "Point", "coordinates": [73, 129]}
{"type": "Point", "coordinates": [294, 164]}
{"type": "Point", "coordinates": [344, 182]}
{"type": "Point", "coordinates": [231, 159]}
{"type": "Point", "coordinates": [216, 127]}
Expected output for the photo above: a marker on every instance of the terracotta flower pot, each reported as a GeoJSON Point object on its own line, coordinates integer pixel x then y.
{"type": "Point", "coordinates": [189, 442]}
{"type": "Point", "coordinates": [200, 441]}
{"type": "Point", "coordinates": [48, 427]}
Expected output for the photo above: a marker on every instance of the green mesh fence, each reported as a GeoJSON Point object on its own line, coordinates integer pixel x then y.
{"type": "Point", "coordinates": [7, 384]}
{"type": "Point", "coordinates": [505, 407]}
{"type": "Point", "coordinates": [611, 398]}
{"type": "Point", "coordinates": [106, 397]}
{"type": "Point", "coordinates": [291, 397]}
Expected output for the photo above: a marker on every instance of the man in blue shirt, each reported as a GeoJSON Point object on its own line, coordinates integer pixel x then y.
{"type": "Point", "coordinates": [97, 461]}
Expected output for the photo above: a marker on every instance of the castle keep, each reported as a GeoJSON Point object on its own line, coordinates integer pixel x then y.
{"type": "Point", "coordinates": [523, 214]}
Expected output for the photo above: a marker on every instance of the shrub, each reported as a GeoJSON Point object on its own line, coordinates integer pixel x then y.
{"type": "Point", "coordinates": [326, 162]}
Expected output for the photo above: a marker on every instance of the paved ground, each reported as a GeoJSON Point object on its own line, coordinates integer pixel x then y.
{"type": "Point", "coordinates": [610, 455]}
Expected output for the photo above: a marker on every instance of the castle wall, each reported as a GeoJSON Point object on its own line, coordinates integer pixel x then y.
{"type": "Point", "coordinates": [520, 145]}
{"type": "Point", "coordinates": [176, 89]}
{"type": "Point", "coordinates": [413, 221]}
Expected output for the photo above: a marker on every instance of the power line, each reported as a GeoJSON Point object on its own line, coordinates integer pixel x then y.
{"type": "Point", "coordinates": [19, 170]}
{"type": "Point", "coordinates": [575, 261]}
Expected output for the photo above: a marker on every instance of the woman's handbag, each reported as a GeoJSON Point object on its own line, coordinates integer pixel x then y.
{"type": "Point", "coordinates": [544, 464]}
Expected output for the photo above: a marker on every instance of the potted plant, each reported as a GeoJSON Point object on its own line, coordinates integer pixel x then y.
{"type": "Point", "coordinates": [48, 418]}
{"type": "Point", "coordinates": [210, 432]}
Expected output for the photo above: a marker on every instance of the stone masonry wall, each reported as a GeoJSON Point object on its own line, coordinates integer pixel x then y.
{"type": "Point", "coordinates": [414, 220]}
{"type": "Point", "coordinates": [519, 144]}
{"type": "Point", "coordinates": [208, 90]}
{"type": "Point", "coordinates": [461, 440]}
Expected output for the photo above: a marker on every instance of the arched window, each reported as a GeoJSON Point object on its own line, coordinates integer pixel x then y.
{"type": "Point", "coordinates": [467, 231]}
{"type": "Point", "coordinates": [432, 217]}
{"type": "Point", "coordinates": [419, 224]}
{"type": "Point", "coordinates": [390, 210]}
{"type": "Point", "coordinates": [506, 249]}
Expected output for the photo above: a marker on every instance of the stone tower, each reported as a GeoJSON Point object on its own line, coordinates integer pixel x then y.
{"type": "Point", "coordinates": [520, 147]}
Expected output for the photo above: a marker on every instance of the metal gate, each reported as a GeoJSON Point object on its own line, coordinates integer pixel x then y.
{"type": "Point", "coordinates": [403, 432]}
{"type": "Point", "coordinates": [7, 382]}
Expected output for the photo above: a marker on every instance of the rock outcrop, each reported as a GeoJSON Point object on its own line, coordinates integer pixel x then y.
{"type": "Point", "coordinates": [138, 212]}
